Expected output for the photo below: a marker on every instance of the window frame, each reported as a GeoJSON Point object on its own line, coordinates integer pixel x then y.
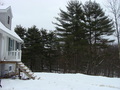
{"type": "Point", "coordinates": [11, 44]}
{"type": "Point", "coordinates": [8, 20]}
{"type": "Point", "coordinates": [10, 68]}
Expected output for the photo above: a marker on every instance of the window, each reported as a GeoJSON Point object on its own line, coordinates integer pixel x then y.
{"type": "Point", "coordinates": [10, 68]}
{"type": "Point", "coordinates": [11, 45]}
{"type": "Point", "coordinates": [8, 19]}
{"type": "Point", "coordinates": [17, 45]}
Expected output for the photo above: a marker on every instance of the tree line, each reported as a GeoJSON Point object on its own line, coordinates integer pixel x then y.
{"type": "Point", "coordinates": [79, 44]}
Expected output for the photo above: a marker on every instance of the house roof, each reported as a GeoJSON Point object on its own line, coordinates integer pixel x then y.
{"type": "Point", "coordinates": [4, 9]}
{"type": "Point", "coordinates": [10, 33]}
{"type": "Point", "coordinates": [3, 6]}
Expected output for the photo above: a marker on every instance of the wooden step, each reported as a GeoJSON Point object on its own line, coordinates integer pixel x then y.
{"type": "Point", "coordinates": [26, 70]}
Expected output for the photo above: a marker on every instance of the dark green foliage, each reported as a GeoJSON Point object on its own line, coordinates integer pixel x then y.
{"type": "Point", "coordinates": [20, 31]}
{"type": "Point", "coordinates": [97, 23]}
{"type": "Point", "coordinates": [70, 29]}
{"type": "Point", "coordinates": [33, 46]}
{"type": "Point", "coordinates": [50, 50]}
{"type": "Point", "coordinates": [39, 51]}
{"type": "Point", "coordinates": [81, 31]}
{"type": "Point", "coordinates": [79, 43]}
{"type": "Point", "coordinates": [71, 33]}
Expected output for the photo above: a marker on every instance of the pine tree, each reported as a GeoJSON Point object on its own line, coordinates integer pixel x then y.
{"type": "Point", "coordinates": [70, 31]}
{"type": "Point", "coordinates": [98, 25]}
{"type": "Point", "coordinates": [51, 50]}
{"type": "Point", "coordinates": [21, 31]}
{"type": "Point", "coordinates": [70, 27]}
{"type": "Point", "coordinates": [33, 47]}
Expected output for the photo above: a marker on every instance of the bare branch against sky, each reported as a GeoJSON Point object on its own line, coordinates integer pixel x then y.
{"type": "Point", "coordinates": [114, 7]}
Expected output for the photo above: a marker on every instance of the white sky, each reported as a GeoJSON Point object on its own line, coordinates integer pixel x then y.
{"type": "Point", "coordinates": [37, 12]}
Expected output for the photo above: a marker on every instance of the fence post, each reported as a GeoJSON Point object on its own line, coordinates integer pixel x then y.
{"type": "Point", "coordinates": [17, 54]}
{"type": "Point", "coordinates": [20, 54]}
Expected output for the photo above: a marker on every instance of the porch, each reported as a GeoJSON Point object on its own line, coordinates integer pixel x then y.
{"type": "Point", "coordinates": [14, 55]}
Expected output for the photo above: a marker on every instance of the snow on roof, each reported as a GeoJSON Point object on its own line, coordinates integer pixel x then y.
{"type": "Point", "coordinates": [4, 6]}
{"type": "Point", "coordinates": [10, 33]}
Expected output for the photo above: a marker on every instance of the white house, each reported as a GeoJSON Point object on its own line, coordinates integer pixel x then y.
{"type": "Point", "coordinates": [10, 42]}
{"type": "Point", "coordinates": [10, 47]}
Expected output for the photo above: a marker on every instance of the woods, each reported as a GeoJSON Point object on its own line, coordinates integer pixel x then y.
{"type": "Point", "coordinates": [80, 43]}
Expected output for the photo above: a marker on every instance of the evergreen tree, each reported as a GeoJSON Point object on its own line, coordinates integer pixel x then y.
{"type": "Point", "coordinates": [98, 25]}
{"type": "Point", "coordinates": [21, 31]}
{"type": "Point", "coordinates": [33, 47]}
{"type": "Point", "coordinates": [50, 50]}
{"type": "Point", "coordinates": [80, 27]}
{"type": "Point", "coordinates": [70, 28]}
{"type": "Point", "coordinates": [70, 31]}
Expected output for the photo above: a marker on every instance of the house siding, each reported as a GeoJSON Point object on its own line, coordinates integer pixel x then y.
{"type": "Point", "coordinates": [5, 71]}
{"type": "Point", "coordinates": [5, 47]}
{"type": "Point", "coordinates": [2, 48]}
{"type": "Point", "coordinates": [2, 70]}
{"type": "Point", "coordinates": [4, 19]}
{"type": "Point", "coordinates": [8, 58]}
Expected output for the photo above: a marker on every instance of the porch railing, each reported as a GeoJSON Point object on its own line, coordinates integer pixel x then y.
{"type": "Point", "coordinates": [14, 55]}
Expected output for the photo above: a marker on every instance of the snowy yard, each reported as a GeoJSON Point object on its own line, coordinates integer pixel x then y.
{"type": "Point", "coordinates": [52, 81]}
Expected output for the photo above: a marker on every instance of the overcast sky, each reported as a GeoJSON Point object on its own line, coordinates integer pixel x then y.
{"type": "Point", "coordinates": [37, 12]}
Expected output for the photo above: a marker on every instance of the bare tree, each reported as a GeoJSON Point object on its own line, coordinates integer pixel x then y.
{"type": "Point", "coordinates": [114, 7]}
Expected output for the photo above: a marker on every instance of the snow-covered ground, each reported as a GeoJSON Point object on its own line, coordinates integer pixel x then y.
{"type": "Point", "coordinates": [53, 81]}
